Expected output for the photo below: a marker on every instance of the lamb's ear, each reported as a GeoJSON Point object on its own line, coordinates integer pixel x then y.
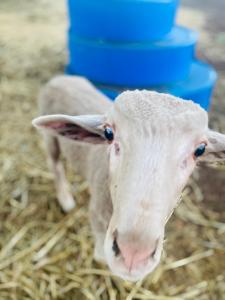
{"type": "Point", "coordinates": [215, 151]}
{"type": "Point", "coordinates": [87, 128]}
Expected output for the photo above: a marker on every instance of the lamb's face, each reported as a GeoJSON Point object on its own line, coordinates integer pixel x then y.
{"type": "Point", "coordinates": [151, 156]}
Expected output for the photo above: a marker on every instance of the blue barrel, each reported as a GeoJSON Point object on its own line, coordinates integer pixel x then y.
{"type": "Point", "coordinates": [134, 64]}
{"type": "Point", "coordinates": [128, 44]}
{"type": "Point", "coordinates": [198, 86]}
{"type": "Point", "coordinates": [122, 20]}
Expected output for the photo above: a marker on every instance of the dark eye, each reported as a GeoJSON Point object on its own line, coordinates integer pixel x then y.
{"type": "Point", "coordinates": [108, 132]}
{"type": "Point", "coordinates": [200, 150]}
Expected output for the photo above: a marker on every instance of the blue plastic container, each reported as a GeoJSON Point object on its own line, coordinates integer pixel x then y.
{"type": "Point", "coordinates": [122, 20]}
{"type": "Point", "coordinates": [134, 64]}
{"type": "Point", "coordinates": [197, 87]}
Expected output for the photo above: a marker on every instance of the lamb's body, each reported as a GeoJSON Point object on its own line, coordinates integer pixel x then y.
{"type": "Point", "coordinates": [76, 96]}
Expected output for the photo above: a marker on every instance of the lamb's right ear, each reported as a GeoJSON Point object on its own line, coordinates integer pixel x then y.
{"type": "Point", "coordinates": [86, 128]}
{"type": "Point", "coordinates": [215, 150]}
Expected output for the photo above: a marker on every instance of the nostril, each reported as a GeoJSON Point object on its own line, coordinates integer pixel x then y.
{"type": "Point", "coordinates": [156, 247]}
{"type": "Point", "coordinates": [115, 248]}
{"type": "Point", "coordinates": [153, 253]}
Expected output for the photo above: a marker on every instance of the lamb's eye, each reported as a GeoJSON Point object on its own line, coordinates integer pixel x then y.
{"type": "Point", "coordinates": [108, 132]}
{"type": "Point", "coordinates": [200, 150]}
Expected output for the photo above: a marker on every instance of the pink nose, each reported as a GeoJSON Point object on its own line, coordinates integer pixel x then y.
{"type": "Point", "coordinates": [134, 257]}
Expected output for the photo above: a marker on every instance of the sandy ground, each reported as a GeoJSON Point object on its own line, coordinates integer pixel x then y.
{"type": "Point", "coordinates": [32, 50]}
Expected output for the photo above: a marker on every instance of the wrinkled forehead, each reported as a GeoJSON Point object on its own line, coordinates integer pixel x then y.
{"type": "Point", "coordinates": [152, 111]}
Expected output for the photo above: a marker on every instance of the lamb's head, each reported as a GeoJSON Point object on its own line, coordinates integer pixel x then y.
{"type": "Point", "coordinates": [154, 143]}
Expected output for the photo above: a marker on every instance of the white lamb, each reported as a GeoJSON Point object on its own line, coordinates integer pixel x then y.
{"type": "Point", "coordinates": [137, 154]}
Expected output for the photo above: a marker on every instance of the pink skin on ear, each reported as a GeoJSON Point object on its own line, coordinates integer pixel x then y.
{"type": "Point", "coordinates": [54, 125]}
{"type": "Point", "coordinates": [73, 132]}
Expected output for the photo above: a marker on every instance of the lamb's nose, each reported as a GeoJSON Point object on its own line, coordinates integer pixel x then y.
{"type": "Point", "coordinates": [132, 256]}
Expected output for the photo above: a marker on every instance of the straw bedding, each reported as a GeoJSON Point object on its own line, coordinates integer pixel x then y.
{"type": "Point", "coordinates": [45, 254]}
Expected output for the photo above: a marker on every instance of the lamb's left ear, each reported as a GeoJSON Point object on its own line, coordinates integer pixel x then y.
{"type": "Point", "coordinates": [86, 128]}
{"type": "Point", "coordinates": [215, 150]}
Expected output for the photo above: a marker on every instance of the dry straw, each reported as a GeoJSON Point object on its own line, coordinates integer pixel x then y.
{"type": "Point", "coordinates": [45, 254]}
